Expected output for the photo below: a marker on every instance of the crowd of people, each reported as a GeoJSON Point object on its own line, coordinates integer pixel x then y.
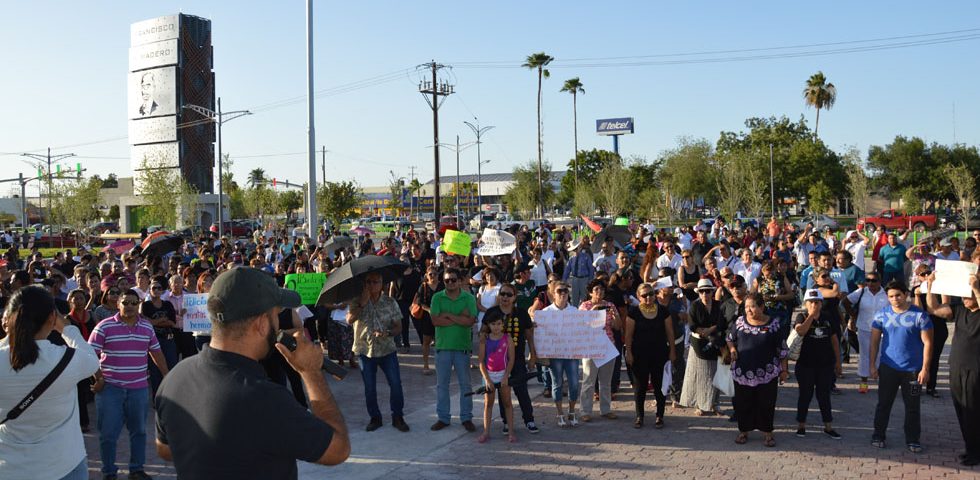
{"type": "Point", "coordinates": [720, 303]}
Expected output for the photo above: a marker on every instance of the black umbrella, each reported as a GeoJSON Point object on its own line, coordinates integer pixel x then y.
{"type": "Point", "coordinates": [345, 283]}
{"type": "Point", "coordinates": [338, 243]}
{"type": "Point", "coordinates": [161, 243]}
{"type": "Point", "coordinates": [619, 233]}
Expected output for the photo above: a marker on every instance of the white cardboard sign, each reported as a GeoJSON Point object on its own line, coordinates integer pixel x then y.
{"type": "Point", "coordinates": [573, 334]}
{"type": "Point", "coordinates": [497, 242]}
{"type": "Point", "coordinates": [953, 278]}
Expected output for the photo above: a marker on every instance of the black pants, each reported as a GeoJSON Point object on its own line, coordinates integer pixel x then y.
{"type": "Point", "coordinates": [617, 374]}
{"type": "Point", "coordinates": [810, 379]}
{"type": "Point", "coordinates": [677, 369]}
{"type": "Point", "coordinates": [279, 372]}
{"type": "Point", "coordinates": [520, 390]}
{"type": "Point", "coordinates": [889, 382]}
{"type": "Point", "coordinates": [648, 369]}
{"type": "Point", "coordinates": [322, 324]}
{"type": "Point", "coordinates": [406, 321]}
{"type": "Point", "coordinates": [964, 385]}
{"type": "Point", "coordinates": [940, 333]}
{"type": "Point", "coordinates": [84, 396]}
{"type": "Point", "coordinates": [186, 346]}
{"type": "Point", "coordinates": [755, 406]}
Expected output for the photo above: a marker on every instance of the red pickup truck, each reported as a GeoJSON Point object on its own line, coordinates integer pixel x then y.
{"type": "Point", "coordinates": [896, 219]}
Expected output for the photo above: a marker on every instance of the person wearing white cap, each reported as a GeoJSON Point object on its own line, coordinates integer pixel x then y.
{"type": "Point", "coordinates": [706, 325]}
{"type": "Point", "coordinates": [857, 243]}
{"type": "Point", "coordinates": [946, 251]}
{"type": "Point", "coordinates": [818, 362]}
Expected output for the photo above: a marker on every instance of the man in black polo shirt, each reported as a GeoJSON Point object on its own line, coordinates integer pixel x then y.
{"type": "Point", "coordinates": [218, 414]}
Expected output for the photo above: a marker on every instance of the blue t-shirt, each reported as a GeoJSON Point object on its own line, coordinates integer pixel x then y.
{"type": "Point", "coordinates": [893, 257]}
{"type": "Point", "coordinates": [901, 337]}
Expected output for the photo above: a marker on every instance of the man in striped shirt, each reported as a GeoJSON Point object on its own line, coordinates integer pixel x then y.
{"type": "Point", "coordinates": [122, 343]}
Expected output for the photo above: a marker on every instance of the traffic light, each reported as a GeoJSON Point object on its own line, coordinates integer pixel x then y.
{"type": "Point", "coordinates": [78, 168]}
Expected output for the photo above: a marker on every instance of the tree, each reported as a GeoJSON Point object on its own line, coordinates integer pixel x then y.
{"type": "Point", "coordinates": [76, 202]}
{"type": "Point", "coordinates": [290, 201]}
{"type": "Point", "coordinates": [819, 198]}
{"type": "Point", "coordinates": [236, 196]}
{"type": "Point", "coordinates": [523, 195]}
{"type": "Point", "coordinates": [589, 164]}
{"type": "Point", "coordinates": [901, 166]}
{"type": "Point", "coordinates": [757, 199]}
{"type": "Point", "coordinates": [574, 86]}
{"type": "Point", "coordinates": [537, 61]}
{"type": "Point", "coordinates": [584, 201]}
{"type": "Point", "coordinates": [395, 185]}
{"type": "Point", "coordinates": [686, 171]}
{"type": "Point", "coordinates": [962, 182]}
{"type": "Point", "coordinates": [256, 177]}
{"type": "Point", "coordinates": [820, 95]}
{"type": "Point", "coordinates": [114, 212]}
{"type": "Point", "coordinates": [614, 188]}
{"type": "Point", "coordinates": [111, 181]}
{"type": "Point", "coordinates": [731, 183]}
{"type": "Point", "coordinates": [168, 199]}
{"type": "Point", "coordinates": [858, 184]}
{"type": "Point", "coordinates": [415, 188]}
{"type": "Point", "coordinates": [338, 200]}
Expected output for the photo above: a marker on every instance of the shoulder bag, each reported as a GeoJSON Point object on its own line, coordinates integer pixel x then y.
{"type": "Point", "coordinates": [41, 387]}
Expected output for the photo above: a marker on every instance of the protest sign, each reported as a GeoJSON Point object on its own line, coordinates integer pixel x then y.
{"type": "Point", "coordinates": [196, 313]}
{"type": "Point", "coordinates": [953, 278]}
{"type": "Point", "coordinates": [456, 243]}
{"type": "Point", "coordinates": [573, 334]}
{"type": "Point", "coordinates": [307, 285]}
{"type": "Point", "coordinates": [497, 242]}
{"type": "Point", "coordinates": [339, 316]}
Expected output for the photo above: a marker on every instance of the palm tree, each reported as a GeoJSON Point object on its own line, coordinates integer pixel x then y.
{"type": "Point", "coordinates": [574, 86]}
{"type": "Point", "coordinates": [256, 177]}
{"type": "Point", "coordinates": [537, 61]}
{"type": "Point", "coordinates": [819, 94]}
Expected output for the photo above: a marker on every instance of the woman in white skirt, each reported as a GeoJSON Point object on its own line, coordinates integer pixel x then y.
{"type": "Point", "coordinates": [702, 359]}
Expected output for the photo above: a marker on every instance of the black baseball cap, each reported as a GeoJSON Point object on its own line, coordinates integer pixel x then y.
{"type": "Point", "coordinates": [521, 267]}
{"type": "Point", "coordinates": [245, 292]}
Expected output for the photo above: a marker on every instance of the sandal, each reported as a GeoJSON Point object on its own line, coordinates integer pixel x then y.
{"type": "Point", "coordinates": [914, 447]}
{"type": "Point", "coordinates": [512, 439]}
{"type": "Point", "coordinates": [769, 441]}
{"type": "Point", "coordinates": [427, 371]}
{"type": "Point", "coordinates": [562, 422]}
{"type": "Point", "coordinates": [483, 438]}
{"type": "Point", "coordinates": [742, 438]}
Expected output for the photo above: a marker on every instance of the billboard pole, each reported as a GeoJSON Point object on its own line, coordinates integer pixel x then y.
{"type": "Point", "coordinates": [311, 220]}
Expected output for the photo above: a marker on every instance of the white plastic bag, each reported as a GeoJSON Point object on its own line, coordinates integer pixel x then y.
{"type": "Point", "coordinates": [668, 378]}
{"type": "Point", "coordinates": [723, 379]}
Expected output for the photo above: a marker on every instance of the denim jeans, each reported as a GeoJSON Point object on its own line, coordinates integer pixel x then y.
{"type": "Point", "coordinates": [446, 362]}
{"type": "Point", "coordinates": [369, 373]}
{"type": "Point", "coordinates": [80, 472]}
{"type": "Point", "coordinates": [169, 349]}
{"type": "Point", "coordinates": [117, 406]}
{"type": "Point", "coordinates": [568, 367]}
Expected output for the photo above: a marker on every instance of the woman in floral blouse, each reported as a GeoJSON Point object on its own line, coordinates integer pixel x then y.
{"type": "Point", "coordinates": [757, 344]}
{"type": "Point", "coordinates": [597, 290]}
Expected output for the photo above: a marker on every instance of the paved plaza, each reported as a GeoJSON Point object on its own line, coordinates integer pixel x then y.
{"type": "Point", "coordinates": [688, 446]}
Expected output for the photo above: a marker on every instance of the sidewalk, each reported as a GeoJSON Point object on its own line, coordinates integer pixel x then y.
{"type": "Point", "coordinates": [688, 447]}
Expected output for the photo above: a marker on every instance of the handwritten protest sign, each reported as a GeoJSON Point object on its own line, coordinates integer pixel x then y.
{"type": "Point", "coordinates": [307, 285]}
{"type": "Point", "coordinates": [456, 243]}
{"type": "Point", "coordinates": [196, 314]}
{"type": "Point", "coordinates": [953, 278]}
{"type": "Point", "coordinates": [497, 242]}
{"type": "Point", "coordinates": [573, 334]}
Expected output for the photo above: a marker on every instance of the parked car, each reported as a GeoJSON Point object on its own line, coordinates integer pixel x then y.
{"type": "Point", "coordinates": [445, 223]}
{"type": "Point", "coordinates": [891, 218]}
{"type": "Point", "coordinates": [102, 227]}
{"type": "Point", "coordinates": [233, 229]}
{"type": "Point", "coordinates": [955, 221]}
{"type": "Point", "coordinates": [820, 222]}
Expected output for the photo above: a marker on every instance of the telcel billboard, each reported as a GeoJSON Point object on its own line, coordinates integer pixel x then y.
{"type": "Point", "coordinates": [614, 126]}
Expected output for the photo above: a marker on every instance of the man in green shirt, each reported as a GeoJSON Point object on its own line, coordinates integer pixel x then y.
{"type": "Point", "coordinates": [453, 313]}
{"type": "Point", "coordinates": [526, 288]}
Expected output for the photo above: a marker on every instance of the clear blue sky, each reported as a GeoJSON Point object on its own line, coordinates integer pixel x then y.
{"type": "Point", "coordinates": [65, 64]}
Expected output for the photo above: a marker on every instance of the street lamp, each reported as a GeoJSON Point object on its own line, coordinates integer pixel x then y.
{"type": "Point", "coordinates": [218, 118]}
{"type": "Point", "coordinates": [478, 131]}
{"type": "Point", "coordinates": [479, 184]}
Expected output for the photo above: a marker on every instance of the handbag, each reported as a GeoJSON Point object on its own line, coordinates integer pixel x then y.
{"type": "Point", "coordinates": [794, 341]}
{"type": "Point", "coordinates": [416, 310]}
{"type": "Point", "coordinates": [723, 380]}
{"type": "Point", "coordinates": [41, 387]}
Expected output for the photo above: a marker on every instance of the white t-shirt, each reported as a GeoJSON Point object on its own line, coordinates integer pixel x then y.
{"type": "Point", "coordinates": [954, 255]}
{"type": "Point", "coordinates": [857, 249]}
{"type": "Point", "coordinates": [674, 261]}
{"type": "Point", "coordinates": [488, 298]}
{"type": "Point", "coordinates": [748, 272]}
{"type": "Point", "coordinates": [539, 272]}
{"type": "Point", "coordinates": [685, 239]}
{"type": "Point", "coordinates": [44, 442]}
{"type": "Point", "coordinates": [871, 304]}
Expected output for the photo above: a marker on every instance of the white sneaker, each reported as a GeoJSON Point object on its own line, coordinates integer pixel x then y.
{"type": "Point", "coordinates": [572, 420]}
{"type": "Point", "coordinates": [561, 421]}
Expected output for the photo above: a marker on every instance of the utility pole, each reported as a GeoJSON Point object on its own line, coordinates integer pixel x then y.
{"type": "Point", "coordinates": [218, 118]}
{"type": "Point", "coordinates": [435, 89]}
{"type": "Point", "coordinates": [411, 201]}
{"type": "Point", "coordinates": [323, 163]}
{"type": "Point", "coordinates": [457, 179]}
{"type": "Point", "coordinates": [311, 220]}
{"type": "Point", "coordinates": [772, 183]}
{"type": "Point", "coordinates": [49, 159]}
{"type": "Point", "coordinates": [478, 131]}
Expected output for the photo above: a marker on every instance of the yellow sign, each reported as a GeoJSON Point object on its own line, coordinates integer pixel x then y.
{"type": "Point", "coordinates": [456, 243]}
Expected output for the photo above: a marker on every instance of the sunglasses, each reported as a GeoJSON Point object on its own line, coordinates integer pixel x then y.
{"type": "Point", "coordinates": [561, 291]}
{"type": "Point", "coordinates": [648, 295]}
{"type": "Point", "coordinates": [927, 272]}
{"type": "Point", "coordinates": [505, 294]}
{"type": "Point", "coordinates": [450, 280]}
{"type": "Point", "coordinates": [130, 303]}
{"type": "Point", "coordinates": [685, 256]}
{"type": "Point", "coordinates": [113, 292]}
{"type": "Point", "coordinates": [872, 280]}
{"type": "Point", "coordinates": [156, 287]}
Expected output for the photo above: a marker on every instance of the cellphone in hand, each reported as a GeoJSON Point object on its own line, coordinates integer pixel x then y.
{"type": "Point", "coordinates": [915, 388]}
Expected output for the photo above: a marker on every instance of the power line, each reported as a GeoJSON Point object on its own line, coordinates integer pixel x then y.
{"type": "Point", "coordinates": [618, 61]}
